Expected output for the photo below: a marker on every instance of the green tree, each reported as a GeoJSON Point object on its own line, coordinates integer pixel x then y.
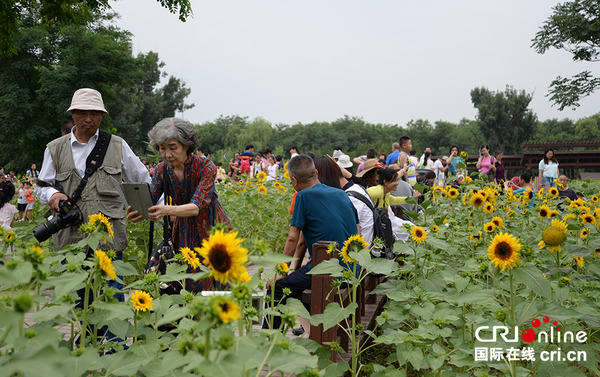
{"type": "Point", "coordinates": [60, 13]}
{"type": "Point", "coordinates": [36, 85]}
{"type": "Point", "coordinates": [588, 129]}
{"type": "Point", "coordinates": [554, 130]}
{"type": "Point", "coordinates": [504, 120]}
{"type": "Point", "coordinates": [575, 27]}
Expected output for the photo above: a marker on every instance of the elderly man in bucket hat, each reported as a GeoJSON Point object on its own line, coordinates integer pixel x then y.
{"type": "Point", "coordinates": [66, 164]}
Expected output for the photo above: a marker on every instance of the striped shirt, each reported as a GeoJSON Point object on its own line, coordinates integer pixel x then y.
{"type": "Point", "coordinates": [411, 173]}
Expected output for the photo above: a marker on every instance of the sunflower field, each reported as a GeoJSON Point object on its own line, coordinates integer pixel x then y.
{"type": "Point", "coordinates": [489, 284]}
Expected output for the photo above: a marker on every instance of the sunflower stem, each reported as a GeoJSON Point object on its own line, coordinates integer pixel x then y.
{"type": "Point", "coordinates": [207, 345]}
{"type": "Point", "coordinates": [512, 300]}
{"type": "Point", "coordinates": [135, 326]}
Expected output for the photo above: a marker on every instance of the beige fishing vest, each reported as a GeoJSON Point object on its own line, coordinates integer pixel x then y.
{"type": "Point", "coordinates": [99, 195]}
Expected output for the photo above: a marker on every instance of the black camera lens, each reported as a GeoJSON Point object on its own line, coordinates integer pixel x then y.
{"type": "Point", "coordinates": [69, 216]}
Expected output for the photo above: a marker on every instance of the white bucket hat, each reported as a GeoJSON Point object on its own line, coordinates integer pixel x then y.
{"type": "Point", "coordinates": [87, 99]}
{"type": "Point", "coordinates": [344, 161]}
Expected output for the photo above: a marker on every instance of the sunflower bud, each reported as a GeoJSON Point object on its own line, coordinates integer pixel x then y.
{"type": "Point", "coordinates": [23, 302]}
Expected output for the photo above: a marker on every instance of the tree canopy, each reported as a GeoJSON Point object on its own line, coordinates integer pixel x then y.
{"type": "Point", "coordinates": [575, 27]}
{"type": "Point", "coordinates": [37, 83]}
{"type": "Point", "coordinates": [503, 118]}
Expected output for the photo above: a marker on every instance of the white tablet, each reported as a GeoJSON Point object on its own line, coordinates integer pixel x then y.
{"type": "Point", "coordinates": [138, 197]}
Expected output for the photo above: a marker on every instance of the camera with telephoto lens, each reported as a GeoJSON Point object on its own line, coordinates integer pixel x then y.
{"type": "Point", "coordinates": [68, 215]}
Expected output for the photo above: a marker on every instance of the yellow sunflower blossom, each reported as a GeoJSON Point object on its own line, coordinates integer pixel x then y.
{"type": "Point", "coordinates": [488, 208]}
{"type": "Point", "coordinates": [544, 211]}
{"type": "Point", "coordinates": [262, 190]}
{"type": "Point", "coordinates": [224, 255]}
{"type": "Point", "coordinates": [553, 192]}
{"type": "Point", "coordinates": [9, 237]}
{"type": "Point", "coordinates": [190, 257]}
{"type": "Point", "coordinates": [245, 277]}
{"type": "Point", "coordinates": [261, 176]}
{"type": "Point", "coordinates": [477, 200]}
{"type": "Point", "coordinates": [141, 301]}
{"type": "Point", "coordinates": [101, 223]}
{"type": "Point", "coordinates": [489, 227]}
{"type": "Point", "coordinates": [586, 218]}
{"type": "Point", "coordinates": [105, 264]}
{"type": "Point", "coordinates": [464, 155]}
{"type": "Point", "coordinates": [597, 252]}
{"type": "Point", "coordinates": [435, 228]}
{"type": "Point", "coordinates": [331, 247]}
{"type": "Point", "coordinates": [554, 236]}
{"type": "Point", "coordinates": [510, 214]}
{"type": "Point", "coordinates": [453, 193]}
{"type": "Point", "coordinates": [584, 233]}
{"type": "Point", "coordinates": [475, 238]}
{"type": "Point", "coordinates": [504, 251]}
{"type": "Point", "coordinates": [557, 181]}
{"type": "Point", "coordinates": [286, 175]}
{"type": "Point", "coordinates": [418, 234]}
{"type": "Point", "coordinates": [594, 199]}
{"type": "Point", "coordinates": [226, 310]}
{"type": "Point", "coordinates": [498, 222]}
{"type": "Point", "coordinates": [553, 213]}
{"type": "Point", "coordinates": [277, 185]}
{"type": "Point", "coordinates": [468, 179]}
{"type": "Point", "coordinates": [282, 268]}
{"type": "Point", "coordinates": [579, 260]}
{"type": "Point", "coordinates": [353, 243]}
{"type": "Point", "coordinates": [249, 184]}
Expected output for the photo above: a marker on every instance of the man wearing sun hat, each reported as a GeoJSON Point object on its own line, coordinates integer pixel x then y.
{"type": "Point", "coordinates": [65, 164]}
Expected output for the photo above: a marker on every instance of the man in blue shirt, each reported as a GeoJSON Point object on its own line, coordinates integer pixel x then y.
{"type": "Point", "coordinates": [320, 213]}
{"type": "Point", "coordinates": [392, 158]}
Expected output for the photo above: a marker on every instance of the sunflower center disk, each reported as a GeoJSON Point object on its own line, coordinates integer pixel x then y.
{"type": "Point", "coordinates": [220, 259]}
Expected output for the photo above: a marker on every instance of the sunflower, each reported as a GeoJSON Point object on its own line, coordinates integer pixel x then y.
{"type": "Point", "coordinates": [435, 228]}
{"type": "Point", "coordinates": [510, 214]}
{"type": "Point", "coordinates": [354, 243]}
{"type": "Point", "coordinates": [331, 247]}
{"type": "Point", "coordinates": [477, 200]}
{"type": "Point", "coordinates": [245, 277]}
{"type": "Point", "coordinates": [498, 222]}
{"type": "Point", "coordinates": [527, 195]}
{"type": "Point", "coordinates": [475, 238]}
{"type": "Point", "coordinates": [544, 211]}
{"type": "Point", "coordinates": [141, 301]}
{"type": "Point", "coordinates": [222, 253]}
{"type": "Point", "coordinates": [552, 213]}
{"type": "Point", "coordinates": [488, 208]}
{"type": "Point", "coordinates": [190, 257]}
{"type": "Point", "coordinates": [105, 264]}
{"type": "Point", "coordinates": [584, 233]}
{"type": "Point", "coordinates": [570, 216]}
{"type": "Point", "coordinates": [553, 191]}
{"type": "Point", "coordinates": [282, 268]}
{"type": "Point", "coordinates": [261, 176]}
{"type": "Point", "coordinates": [557, 181]}
{"type": "Point", "coordinates": [489, 227]}
{"type": "Point", "coordinates": [594, 199]}
{"type": "Point", "coordinates": [453, 193]}
{"type": "Point", "coordinates": [579, 260]}
{"type": "Point", "coordinates": [227, 310]}
{"type": "Point", "coordinates": [249, 184]}
{"type": "Point", "coordinates": [262, 190]}
{"type": "Point", "coordinates": [418, 234]}
{"type": "Point", "coordinates": [597, 252]}
{"type": "Point", "coordinates": [10, 237]}
{"type": "Point", "coordinates": [101, 223]}
{"type": "Point", "coordinates": [464, 155]}
{"type": "Point", "coordinates": [286, 175]}
{"type": "Point", "coordinates": [554, 236]}
{"type": "Point", "coordinates": [586, 218]}
{"type": "Point", "coordinates": [277, 185]}
{"type": "Point", "coordinates": [468, 179]}
{"type": "Point", "coordinates": [504, 251]}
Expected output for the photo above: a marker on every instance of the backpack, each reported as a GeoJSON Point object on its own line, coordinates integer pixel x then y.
{"type": "Point", "coordinates": [382, 227]}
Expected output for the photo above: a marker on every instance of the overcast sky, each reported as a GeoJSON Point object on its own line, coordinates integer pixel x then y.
{"type": "Point", "coordinates": [387, 61]}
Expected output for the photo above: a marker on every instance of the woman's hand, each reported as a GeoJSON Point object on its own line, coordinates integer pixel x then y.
{"type": "Point", "coordinates": [417, 194]}
{"type": "Point", "coordinates": [158, 212]}
{"type": "Point", "coordinates": [133, 216]}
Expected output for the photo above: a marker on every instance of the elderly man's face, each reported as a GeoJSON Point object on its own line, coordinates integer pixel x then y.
{"type": "Point", "coordinates": [563, 180]}
{"type": "Point", "coordinates": [87, 122]}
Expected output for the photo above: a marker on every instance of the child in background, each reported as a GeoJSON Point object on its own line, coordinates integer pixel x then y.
{"type": "Point", "coordinates": [7, 210]}
{"type": "Point", "coordinates": [221, 174]}
{"type": "Point", "coordinates": [272, 168]}
{"type": "Point", "coordinates": [30, 202]}
{"type": "Point", "coordinates": [22, 201]}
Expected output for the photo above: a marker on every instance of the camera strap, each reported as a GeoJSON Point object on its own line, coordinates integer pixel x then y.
{"type": "Point", "coordinates": [93, 162]}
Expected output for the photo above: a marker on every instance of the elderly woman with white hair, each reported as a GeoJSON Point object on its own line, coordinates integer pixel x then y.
{"type": "Point", "coordinates": [189, 182]}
